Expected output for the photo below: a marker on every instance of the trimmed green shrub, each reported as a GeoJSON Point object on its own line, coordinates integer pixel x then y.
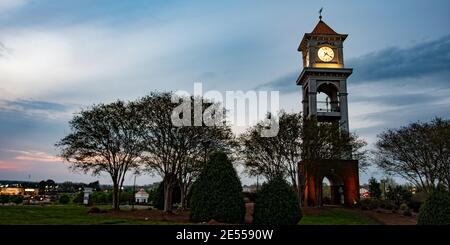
{"type": "Point", "coordinates": [125, 197]}
{"type": "Point", "coordinates": [217, 193]}
{"type": "Point", "coordinates": [277, 204]}
{"type": "Point", "coordinates": [4, 199]}
{"type": "Point", "coordinates": [374, 188]}
{"type": "Point", "coordinates": [78, 198]}
{"type": "Point", "coordinates": [17, 199]}
{"type": "Point", "coordinates": [99, 197]}
{"type": "Point", "coordinates": [64, 199]}
{"type": "Point", "coordinates": [152, 196]}
{"type": "Point", "coordinates": [398, 195]}
{"type": "Point", "coordinates": [436, 209]}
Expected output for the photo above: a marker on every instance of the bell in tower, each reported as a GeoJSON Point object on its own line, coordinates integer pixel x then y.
{"type": "Point", "coordinates": [324, 77]}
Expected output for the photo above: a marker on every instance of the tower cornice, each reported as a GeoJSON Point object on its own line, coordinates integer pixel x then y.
{"type": "Point", "coordinates": [324, 72]}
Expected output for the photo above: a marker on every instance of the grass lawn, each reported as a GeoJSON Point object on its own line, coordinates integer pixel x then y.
{"type": "Point", "coordinates": [61, 215]}
{"type": "Point", "coordinates": [337, 216]}
{"type": "Point", "coordinates": [78, 215]}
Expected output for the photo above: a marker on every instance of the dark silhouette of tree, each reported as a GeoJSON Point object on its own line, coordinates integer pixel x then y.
{"type": "Point", "coordinates": [95, 185]}
{"type": "Point", "coordinates": [274, 156]}
{"type": "Point", "coordinates": [297, 140]}
{"type": "Point", "coordinates": [419, 152]}
{"type": "Point", "coordinates": [159, 198]}
{"type": "Point", "coordinates": [105, 138]}
{"type": "Point", "coordinates": [175, 152]}
{"type": "Point", "coordinates": [374, 188]}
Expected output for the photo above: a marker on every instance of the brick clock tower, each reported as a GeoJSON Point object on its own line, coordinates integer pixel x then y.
{"type": "Point", "coordinates": [324, 88]}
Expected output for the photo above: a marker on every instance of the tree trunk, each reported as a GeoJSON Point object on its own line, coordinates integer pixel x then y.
{"type": "Point", "coordinates": [298, 191]}
{"type": "Point", "coordinates": [168, 189]}
{"type": "Point", "coordinates": [183, 197]}
{"type": "Point", "coordinates": [300, 196]}
{"type": "Point", "coordinates": [115, 196]}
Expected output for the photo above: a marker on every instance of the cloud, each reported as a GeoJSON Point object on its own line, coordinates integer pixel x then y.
{"type": "Point", "coordinates": [35, 108]}
{"type": "Point", "coordinates": [285, 83]}
{"type": "Point", "coordinates": [400, 99]}
{"type": "Point", "coordinates": [9, 166]}
{"type": "Point", "coordinates": [393, 65]}
{"type": "Point", "coordinates": [100, 60]}
{"type": "Point", "coordinates": [4, 51]}
{"type": "Point", "coordinates": [36, 105]}
{"type": "Point", "coordinates": [399, 63]}
{"type": "Point", "coordinates": [34, 156]}
{"type": "Point", "coordinates": [9, 5]}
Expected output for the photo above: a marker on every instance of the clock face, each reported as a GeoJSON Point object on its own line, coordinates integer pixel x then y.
{"type": "Point", "coordinates": [325, 54]}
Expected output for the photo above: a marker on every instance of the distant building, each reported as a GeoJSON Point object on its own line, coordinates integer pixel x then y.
{"type": "Point", "coordinates": [141, 196]}
{"type": "Point", "coordinates": [11, 191]}
{"type": "Point", "coordinates": [249, 188]}
{"type": "Point", "coordinates": [363, 192]}
{"type": "Point", "coordinates": [15, 191]}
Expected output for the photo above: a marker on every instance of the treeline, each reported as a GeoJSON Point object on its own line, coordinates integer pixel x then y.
{"type": "Point", "coordinates": [139, 136]}
{"type": "Point", "coordinates": [122, 137]}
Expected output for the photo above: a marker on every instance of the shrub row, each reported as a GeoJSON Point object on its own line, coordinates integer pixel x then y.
{"type": "Point", "coordinates": [217, 195]}
{"type": "Point", "coordinates": [8, 199]}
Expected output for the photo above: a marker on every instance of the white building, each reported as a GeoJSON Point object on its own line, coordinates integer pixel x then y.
{"type": "Point", "coordinates": [141, 196]}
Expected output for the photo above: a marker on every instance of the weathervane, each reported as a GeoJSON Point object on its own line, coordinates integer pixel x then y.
{"type": "Point", "coordinates": [320, 13]}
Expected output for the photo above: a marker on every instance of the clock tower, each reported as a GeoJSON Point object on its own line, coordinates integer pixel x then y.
{"type": "Point", "coordinates": [324, 87]}
{"type": "Point", "coordinates": [324, 76]}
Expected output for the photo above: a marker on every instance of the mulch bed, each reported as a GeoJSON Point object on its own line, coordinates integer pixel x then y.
{"type": "Point", "coordinates": [381, 216]}
{"type": "Point", "coordinates": [388, 218]}
{"type": "Point", "coordinates": [385, 217]}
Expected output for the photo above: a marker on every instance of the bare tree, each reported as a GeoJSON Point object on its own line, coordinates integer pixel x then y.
{"type": "Point", "coordinates": [327, 140]}
{"type": "Point", "coordinates": [201, 141]}
{"type": "Point", "coordinates": [272, 156]}
{"type": "Point", "coordinates": [105, 138]}
{"type": "Point", "coordinates": [297, 139]}
{"type": "Point", "coordinates": [419, 152]}
{"type": "Point", "coordinates": [177, 152]}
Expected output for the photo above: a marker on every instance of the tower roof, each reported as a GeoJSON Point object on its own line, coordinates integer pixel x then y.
{"type": "Point", "coordinates": [323, 29]}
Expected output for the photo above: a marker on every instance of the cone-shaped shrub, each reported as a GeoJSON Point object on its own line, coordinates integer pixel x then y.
{"type": "Point", "coordinates": [217, 193]}
{"type": "Point", "coordinates": [436, 209]}
{"type": "Point", "coordinates": [277, 204]}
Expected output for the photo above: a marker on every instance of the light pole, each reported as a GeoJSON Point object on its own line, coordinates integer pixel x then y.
{"type": "Point", "coordinates": [134, 193]}
{"type": "Point", "coordinates": [257, 183]}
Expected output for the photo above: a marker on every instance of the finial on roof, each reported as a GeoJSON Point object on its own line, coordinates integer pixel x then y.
{"type": "Point", "coordinates": [320, 13]}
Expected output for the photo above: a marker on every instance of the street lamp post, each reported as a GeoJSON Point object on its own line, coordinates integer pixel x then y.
{"type": "Point", "coordinates": [134, 193]}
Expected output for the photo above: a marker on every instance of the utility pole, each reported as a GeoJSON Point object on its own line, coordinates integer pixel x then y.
{"type": "Point", "coordinates": [134, 193]}
{"type": "Point", "coordinates": [257, 183]}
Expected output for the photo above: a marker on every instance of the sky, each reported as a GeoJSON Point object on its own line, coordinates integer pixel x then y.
{"type": "Point", "coordinates": [60, 56]}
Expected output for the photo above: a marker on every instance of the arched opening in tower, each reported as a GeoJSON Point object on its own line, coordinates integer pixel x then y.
{"type": "Point", "coordinates": [326, 191]}
{"type": "Point", "coordinates": [332, 190]}
{"type": "Point", "coordinates": [327, 98]}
